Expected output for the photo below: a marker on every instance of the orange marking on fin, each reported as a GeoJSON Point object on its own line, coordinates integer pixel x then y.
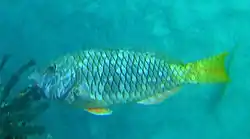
{"type": "Point", "coordinates": [99, 111]}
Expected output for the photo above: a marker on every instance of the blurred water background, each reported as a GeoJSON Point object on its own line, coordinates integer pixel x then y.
{"type": "Point", "coordinates": [185, 29]}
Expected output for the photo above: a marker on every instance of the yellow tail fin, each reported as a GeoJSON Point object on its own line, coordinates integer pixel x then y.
{"type": "Point", "coordinates": [208, 70]}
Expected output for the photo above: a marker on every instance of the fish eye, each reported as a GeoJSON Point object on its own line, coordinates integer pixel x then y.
{"type": "Point", "coordinates": [51, 68]}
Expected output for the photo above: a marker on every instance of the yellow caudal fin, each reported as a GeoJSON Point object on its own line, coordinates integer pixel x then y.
{"type": "Point", "coordinates": [208, 70]}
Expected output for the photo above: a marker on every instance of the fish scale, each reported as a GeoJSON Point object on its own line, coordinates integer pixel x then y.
{"type": "Point", "coordinates": [92, 78]}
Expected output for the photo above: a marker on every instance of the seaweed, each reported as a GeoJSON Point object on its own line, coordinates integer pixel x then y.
{"type": "Point", "coordinates": [17, 114]}
{"type": "Point", "coordinates": [3, 62]}
{"type": "Point", "coordinates": [14, 79]}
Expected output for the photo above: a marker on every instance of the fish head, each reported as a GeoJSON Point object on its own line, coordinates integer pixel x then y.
{"type": "Point", "coordinates": [55, 81]}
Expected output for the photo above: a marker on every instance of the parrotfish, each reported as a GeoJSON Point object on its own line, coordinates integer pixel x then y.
{"type": "Point", "coordinates": [96, 79]}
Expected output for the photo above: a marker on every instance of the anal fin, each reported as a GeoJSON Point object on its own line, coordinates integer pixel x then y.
{"type": "Point", "coordinates": [158, 98]}
{"type": "Point", "coordinates": [99, 111]}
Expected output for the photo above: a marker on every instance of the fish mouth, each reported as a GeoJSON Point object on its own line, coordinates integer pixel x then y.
{"type": "Point", "coordinates": [53, 84]}
{"type": "Point", "coordinates": [55, 88]}
{"type": "Point", "coordinates": [46, 82]}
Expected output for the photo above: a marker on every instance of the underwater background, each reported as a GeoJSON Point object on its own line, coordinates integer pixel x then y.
{"type": "Point", "coordinates": [184, 29]}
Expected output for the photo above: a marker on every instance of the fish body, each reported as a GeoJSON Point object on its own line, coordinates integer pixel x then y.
{"type": "Point", "coordinates": [96, 79]}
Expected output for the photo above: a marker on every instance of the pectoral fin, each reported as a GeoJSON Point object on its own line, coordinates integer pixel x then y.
{"type": "Point", "coordinates": [99, 111]}
{"type": "Point", "coordinates": [158, 98]}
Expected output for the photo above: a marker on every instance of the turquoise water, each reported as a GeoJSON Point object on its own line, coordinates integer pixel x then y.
{"type": "Point", "coordinates": [186, 29]}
